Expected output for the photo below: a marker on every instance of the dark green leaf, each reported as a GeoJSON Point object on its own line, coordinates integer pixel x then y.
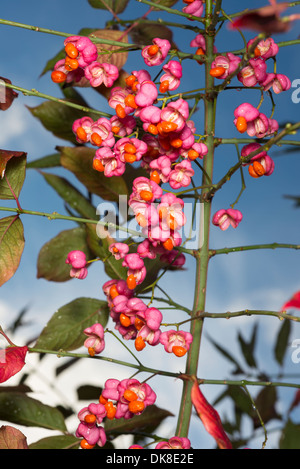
{"type": "Point", "coordinates": [56, 442]}
{"type": "Point", "coordinates": [240, 399]}
{"type": "Point", "coordinates": [282, 341]}
{"type": "Point", "coordinates": [80, 162]}
{"type": "Point", "coordinates": [148, 420]}
{"type": "Point", "coordinates": [66, 365]}
{"type": "Point", "coordinates": [88, 393]}
{"type": "Point", "coordinates": [144, 33]}
{"type": "Point", "coordinates": [58, 118]}
{"type": "Point", "coordinates": [290, 438]}
{"type": "Point", "coordinates": [24, 410]}
{"type": "Point", "coordinates": [51, 263]}
{"type": "Point", "coordinates": [165, 3]}
{"type": "Point", "coordinates": [248, 347]}
{"type": "Point", "coordinates": [11, 246]}
{"type": "Point", "coordinates": [49, 161]}
{"type": "Point", "coordinates": [99, 247]}
{"type": "Point", "coordinates": [117, 6]}
{"type": "Point", "coordinates": [71, 195]}
{"type": "Point", "coordinates": [295, 198]}
{"type": "Point", "coordinates": [265, 403]}
{"type": "Point", "coordinates": [227, 355]}
{"type": "Point", "coordinates": [65, 329]}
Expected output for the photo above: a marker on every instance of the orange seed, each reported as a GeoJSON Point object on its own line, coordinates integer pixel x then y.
{"type": "Point", "coordinates": [241, 124]}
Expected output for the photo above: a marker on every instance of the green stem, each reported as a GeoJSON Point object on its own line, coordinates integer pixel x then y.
{"type": "Point", "coordinates": [141, 368]}
{"type": "Point", "coordinates": [289, 129]}
{"type": "Point", "coordinates": [94, 39]}
{"type": "Point", "coordinates": [252, 247]}
{"type": "Point", "coordinates": [57, 216]}
{"type": "Point", "coordinates": [37, 94]}
{"type": "Point", "coordinates": [251, 312]}
{"type": "Point", "coordinates": [234, 314]}
{"type": "Point", "coordinates": [237, 141]}
{"type": "Point", "coordinates": [245, 382]}
{"type": "Point", "coordinates": [202, 258]}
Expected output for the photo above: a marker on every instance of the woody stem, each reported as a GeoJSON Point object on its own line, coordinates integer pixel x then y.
{"type": "Point", "coordinates": [202, 256]}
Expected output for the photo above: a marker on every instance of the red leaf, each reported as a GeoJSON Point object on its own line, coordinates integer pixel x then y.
{"type": "Point", "coordinates": [12, 438]}
{"type": "Point", "coordinates": [293, 302]}
{"type": "Point", "coordinates": [265, 19]}
{"type": "Point", "coordinates": [12, 361]}
{"type": "Point", "coordinates": [7, 97]}
{"type": "Point", "coordinates": [210, 418]}
{"type": "Point", "coordinates": [5, 156]}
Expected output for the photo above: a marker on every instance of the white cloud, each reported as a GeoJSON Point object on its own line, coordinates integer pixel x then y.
{"type": "Point", "coordinates": [14, 123]}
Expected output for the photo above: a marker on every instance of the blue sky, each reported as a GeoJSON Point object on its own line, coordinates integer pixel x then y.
{"type": "Point", "coordinates": [261, 279]}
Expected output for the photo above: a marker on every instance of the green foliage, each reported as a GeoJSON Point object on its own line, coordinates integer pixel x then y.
{"type": "Point", "coordinates": [11, 246]}
{"type": "Point", "coordinates": [117, 6]}
{"type": "Point", "coordinates": [51, 263]}
{"type": "Point", "coordinates": [19, 408]}
{"type": "Point", "coordinates": [79, 160]}
{"type": "Point", "coordinates": [64, 330]}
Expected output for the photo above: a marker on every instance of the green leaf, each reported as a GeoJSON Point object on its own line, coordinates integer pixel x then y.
{"type": "Point", "coordinates": [290, 438]}
{"type": "Point", "coordinates": [227, 355]}
{"type": "Point", "coordinates": [71, 195]}
{"type": "Point", "coordinates": [153, 266]}
{"type": "Point", "coordinates": [165, 3]}
{"type": "Point", "coordinates": [13, 175]}
{"type": "Point", "coordinates": [56, 442]}
{"type": "Point", "coordinates": [58, 118]}
{"type": "Point", "coordinates": [265, 403]}
{"type": "Point", "coordinates": [65, 329]}
{"type": "Point", "coordinates": [282, 341]}
{"type": "Point", "coordinates": [240, 398]}
{"type": "Point", "coordinates": [88, 392]}
{"type": "Point", "coordinates": [144, 33]}
{"type": "Point", "coordinates": [248, 347]}
{"type": "Point", "coordinates": [150, 419]}
{"type": "Point", "coordinates": [24, 410]}
{"type": "Point", "coordinates": [80, 162]}
{"type": "Point", "coordinates": [117, 6]}
{"type": "Point", "coordinates": [99, 247]}
{"type": "Point", "coordinates": [11, 246]}
{"type": "Point", "coordinates": [49, 161]}
{"type": "Point", "coordinates": [51, 264]}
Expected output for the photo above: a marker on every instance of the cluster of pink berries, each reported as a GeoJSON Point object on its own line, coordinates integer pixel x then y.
{"type": "Point", "coordinates": [163, 141]}
{"type": "Point", "coordinates": [81, 62]}
{"type": "Point", "coordinates": [175, 442]}
{"type": "Point", "coordinates": [118, 399]}
{"type": "Point", "coordinates": [247, 117]}
{"type": "Point", "coordinates": [134, 320]}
